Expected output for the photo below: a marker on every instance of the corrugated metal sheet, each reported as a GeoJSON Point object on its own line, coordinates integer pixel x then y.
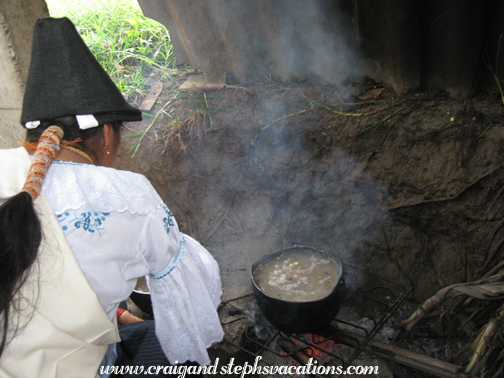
{"type": "Point", "coordinates": [409, 45]}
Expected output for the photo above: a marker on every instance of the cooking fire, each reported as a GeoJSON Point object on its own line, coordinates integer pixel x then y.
{"type": "Point", "coordinates": [360, 334]}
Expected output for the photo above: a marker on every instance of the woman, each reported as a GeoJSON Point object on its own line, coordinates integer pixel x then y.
{"type": "Point", "coordinates": [115, 224]}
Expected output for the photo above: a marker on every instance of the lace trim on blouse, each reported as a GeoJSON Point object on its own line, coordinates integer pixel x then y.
{"type": "Point", "coordinates": [102, 189]}
{"type": "Point", "coordinates": [174, 262]}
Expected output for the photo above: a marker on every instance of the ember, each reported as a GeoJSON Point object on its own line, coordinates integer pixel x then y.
{"type": "Point", "coordinates": [321, 348]}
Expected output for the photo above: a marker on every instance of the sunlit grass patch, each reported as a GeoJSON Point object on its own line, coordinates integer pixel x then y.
{"type": "Point", "coordinates": [128, 45]}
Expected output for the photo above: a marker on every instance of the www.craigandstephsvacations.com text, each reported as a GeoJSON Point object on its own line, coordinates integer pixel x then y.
{"type": "Point", "coordinates": [181, 371]}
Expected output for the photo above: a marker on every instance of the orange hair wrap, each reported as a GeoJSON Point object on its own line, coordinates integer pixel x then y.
{"type": "Point", "coordinates": [47, 149]}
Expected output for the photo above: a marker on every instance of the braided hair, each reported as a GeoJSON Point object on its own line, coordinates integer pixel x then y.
{"type": "Point", "coordinates": [20, 227]}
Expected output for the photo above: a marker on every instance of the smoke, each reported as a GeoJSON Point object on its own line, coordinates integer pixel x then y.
{"type": "Point", "coordinates": [280, 192]}
{"type": "Point", "coordinates": [285, 193]}
{"type": "Point", "coordinates": [313, 41]}
{"type": "Point", "coordinates": [278, 40]}
{"type": "Point", "coordinates": [331, 202]}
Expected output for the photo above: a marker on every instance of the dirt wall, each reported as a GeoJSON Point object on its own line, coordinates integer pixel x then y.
{"type": "Point", "coordinates": [415, 198]}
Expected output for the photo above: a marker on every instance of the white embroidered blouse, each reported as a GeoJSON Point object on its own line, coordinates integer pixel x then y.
{"type": "Point", "coordinates": [119, 230]}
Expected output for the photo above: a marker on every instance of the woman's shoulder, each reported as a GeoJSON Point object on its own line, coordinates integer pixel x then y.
{"type": "Point", "coordinates": [71, 185]}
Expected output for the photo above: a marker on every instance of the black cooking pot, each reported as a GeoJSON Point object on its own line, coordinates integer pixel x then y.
{"type": "Point", "coordinates": [299, 317]}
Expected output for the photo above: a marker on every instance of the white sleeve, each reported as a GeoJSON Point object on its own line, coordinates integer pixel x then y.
{"type": "Point", "coordinates": [185, 288]}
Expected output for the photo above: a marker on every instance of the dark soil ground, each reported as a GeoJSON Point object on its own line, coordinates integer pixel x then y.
{"type": "Point", "coordinates": [416, 198]}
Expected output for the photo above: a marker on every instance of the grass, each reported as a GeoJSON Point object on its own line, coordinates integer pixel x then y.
{"type": "Point", "coordinates": [128, 45]}
{"type": "Point", "coordinates": [205, 108]}
{"type": "Point", "coordinates": [382, 120]}
{"type": "Point", "coordinates": [142, 134]}
{"type": "Point", "coordinates": [270, 67]}
{"type": "Point", "coordinates": [494, 69]}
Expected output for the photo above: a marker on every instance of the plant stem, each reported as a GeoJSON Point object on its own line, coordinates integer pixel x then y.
{"type": "Point", "coordinates": [383, 120]}
{"type": "Point", "coordinates": [137, 144]}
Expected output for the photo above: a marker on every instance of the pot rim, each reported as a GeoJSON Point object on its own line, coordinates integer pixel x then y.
{"type": "Point", "coordinates": [268, 256]}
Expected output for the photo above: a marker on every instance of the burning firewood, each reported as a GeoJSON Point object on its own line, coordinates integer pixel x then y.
{"type": "Point", "coordinates": [289, 347]}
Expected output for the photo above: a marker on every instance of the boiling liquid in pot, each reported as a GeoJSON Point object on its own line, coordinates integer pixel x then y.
{"type": "Point", "coordinates": [300, 276]}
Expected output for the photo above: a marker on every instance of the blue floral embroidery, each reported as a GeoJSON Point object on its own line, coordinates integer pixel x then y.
{"type": "Point", "coordinates": [89, 221]}
{"type": "Point", "coordinates": [168, 221]}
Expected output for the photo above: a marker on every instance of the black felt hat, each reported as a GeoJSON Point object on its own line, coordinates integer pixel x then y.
{"type": "Point", "coordinates": [65, 79]}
